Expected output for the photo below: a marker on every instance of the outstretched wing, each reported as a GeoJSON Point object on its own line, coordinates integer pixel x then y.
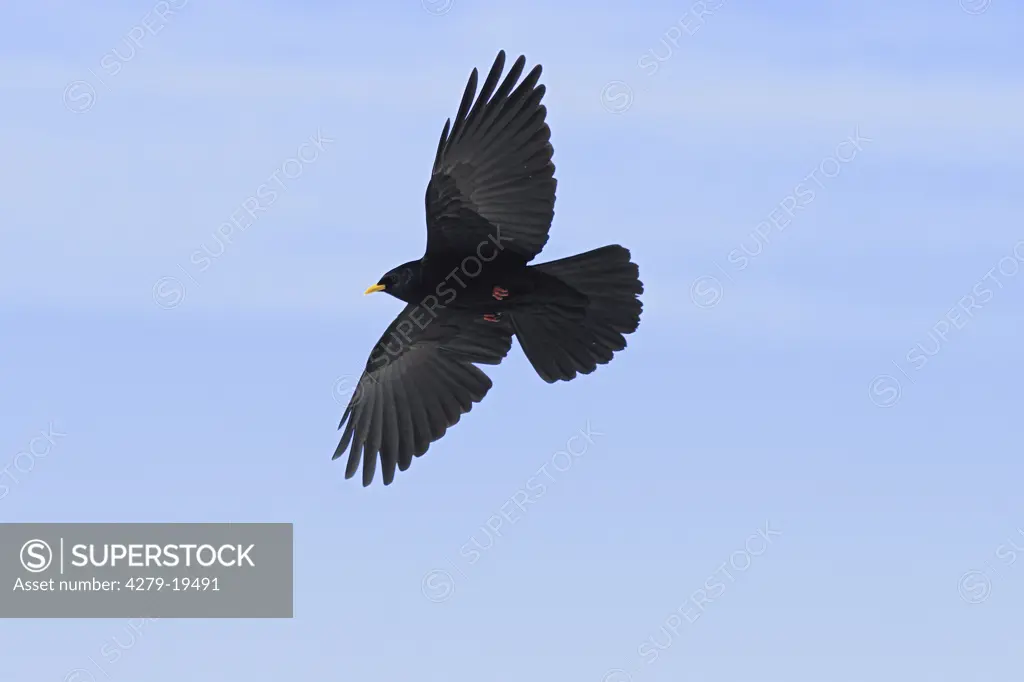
{"type": "Point", "coordinates": [419, 381]}
{"type": "Point", "coordinates": [493, 178]}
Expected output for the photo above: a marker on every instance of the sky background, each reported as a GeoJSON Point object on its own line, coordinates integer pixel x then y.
{"type": "Point", "coordinates": [824, 391]}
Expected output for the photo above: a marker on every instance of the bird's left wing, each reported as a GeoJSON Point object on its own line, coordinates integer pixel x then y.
{"type": "Point", "coordinates": [493, 178]}
{"type": "Point", "coordinates": [419, 380]}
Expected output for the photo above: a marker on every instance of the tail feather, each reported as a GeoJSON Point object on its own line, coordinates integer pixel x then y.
{"type": "Point", "coordinates": [559, 346]}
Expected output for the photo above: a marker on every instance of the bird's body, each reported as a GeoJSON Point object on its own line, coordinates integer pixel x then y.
{"type": "Point", "coordinates": [489, 205]}
{"type": "Point", "coordinates": [467, 283]}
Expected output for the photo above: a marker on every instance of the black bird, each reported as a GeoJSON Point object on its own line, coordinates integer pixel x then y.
{"type": "Point", "coordinates": [490, 202]}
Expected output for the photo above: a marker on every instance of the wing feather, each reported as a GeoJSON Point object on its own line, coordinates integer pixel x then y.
{"type": "Point", "coordinates": [493, 175]}
{"type": "Point", "coordinates": [415, 387]}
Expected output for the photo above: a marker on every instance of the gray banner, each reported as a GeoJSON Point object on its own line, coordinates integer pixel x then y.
{"type": "Point", "coordinates": [146, 570]}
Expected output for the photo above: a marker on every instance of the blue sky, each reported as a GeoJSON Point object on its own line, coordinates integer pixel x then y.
{"type": "Point", "coordinates": [828, 373]}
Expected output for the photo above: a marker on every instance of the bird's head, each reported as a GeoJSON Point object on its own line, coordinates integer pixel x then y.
{"type": "Point", "coordinates": [400, 282]}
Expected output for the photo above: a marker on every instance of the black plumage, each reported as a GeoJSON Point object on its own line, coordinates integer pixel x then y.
{"type": "Point", "coordinates": [489, 206]}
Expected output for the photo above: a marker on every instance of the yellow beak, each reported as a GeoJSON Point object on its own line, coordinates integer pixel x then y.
{"type": "Point", "coordinates": [374, 289]}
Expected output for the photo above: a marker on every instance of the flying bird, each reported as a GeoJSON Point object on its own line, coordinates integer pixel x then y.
{"type": "Point", "coordinates": [489, 206]}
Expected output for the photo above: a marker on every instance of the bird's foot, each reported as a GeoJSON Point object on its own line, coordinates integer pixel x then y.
{"type": "Point", "coordinates": [493, 318]}
{"type": "Point", "coordinates": [498, 293]}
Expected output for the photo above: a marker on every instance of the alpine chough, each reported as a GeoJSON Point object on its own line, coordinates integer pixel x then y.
{"type": "Point", "coordinates": [489, 204]}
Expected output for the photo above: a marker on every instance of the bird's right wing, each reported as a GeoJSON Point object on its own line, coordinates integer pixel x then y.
{"type": "Point", "coordinates": [493, 179]}
{"type": "Point", "coordinates": [419, 380]}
